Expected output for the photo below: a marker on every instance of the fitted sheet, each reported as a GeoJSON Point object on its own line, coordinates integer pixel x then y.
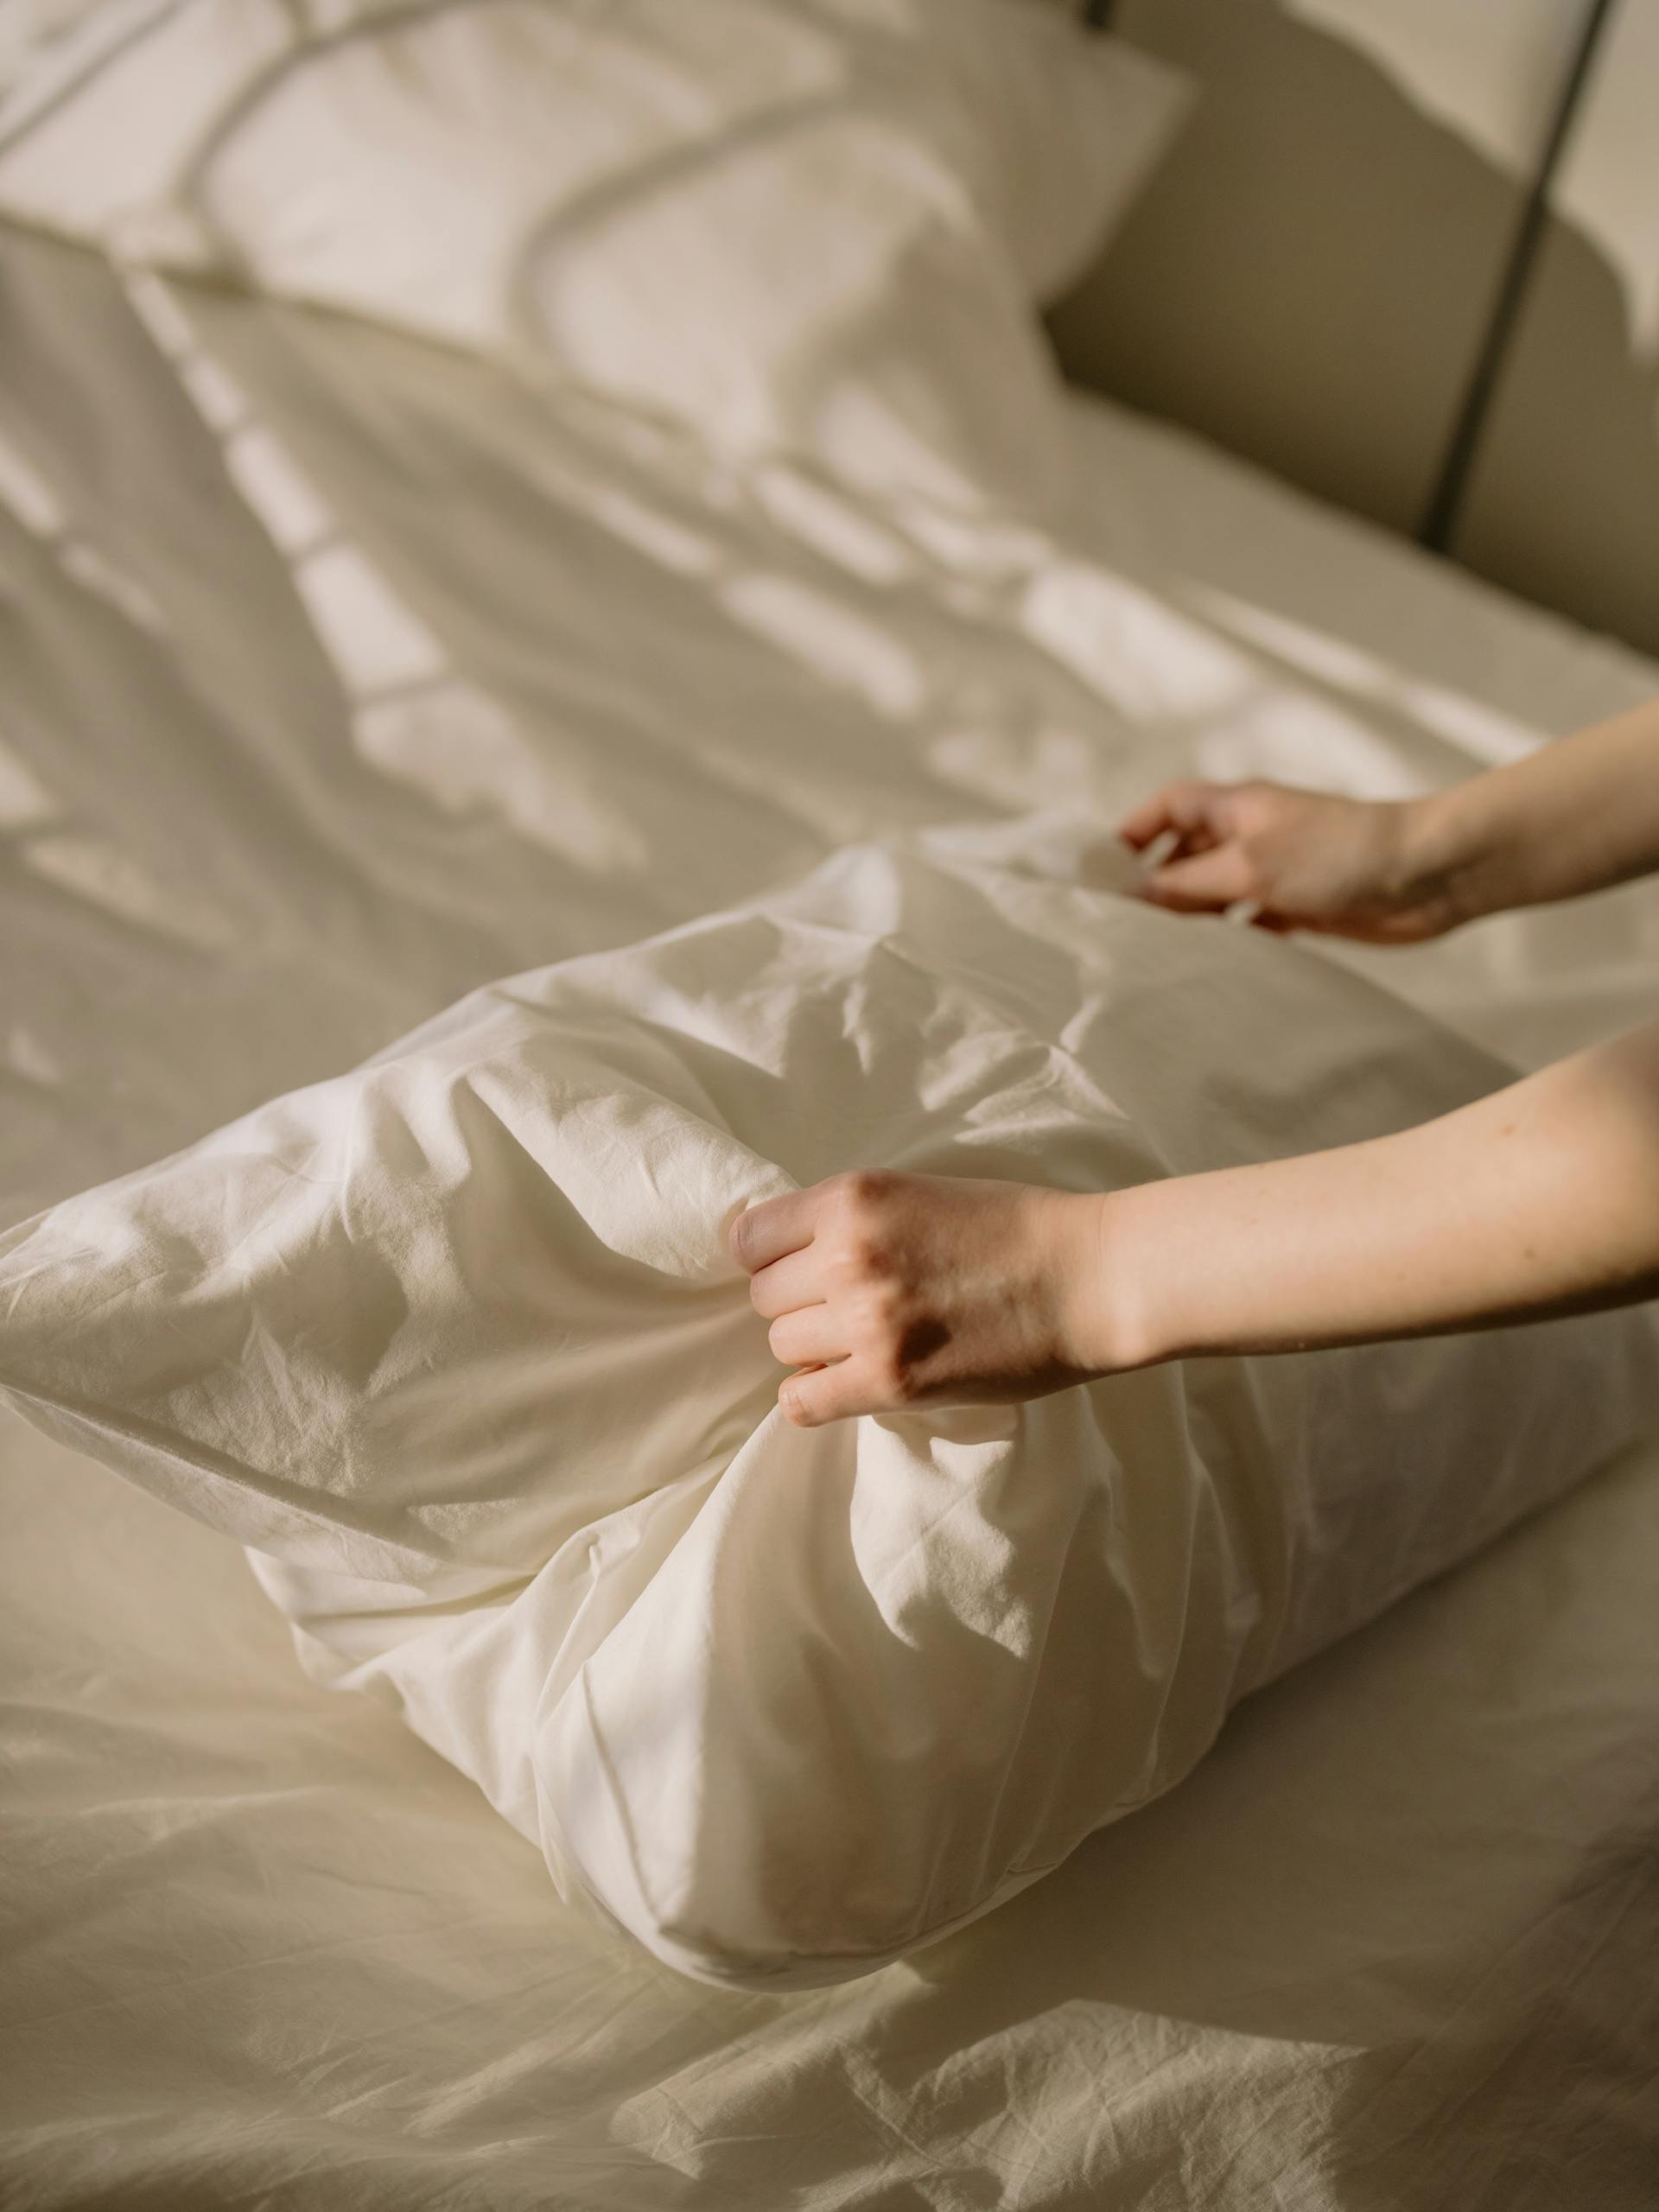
{"type": "Point", "coordinates": [425, 682]}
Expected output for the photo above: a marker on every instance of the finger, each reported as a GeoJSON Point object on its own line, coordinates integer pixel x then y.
{"type": "Point", "coordinates": [1202, 885]}
{"type": "Point", "coordinates": [796, 1279]}
{"type": "Point", "coordinates": [761, 1234]}
{"type": "Point", "coordinates": [810, 1337]}
{"type": "Point", "coordinates": [1183, 807]}
{"type": "Point", "coordinates": [826, 1393]}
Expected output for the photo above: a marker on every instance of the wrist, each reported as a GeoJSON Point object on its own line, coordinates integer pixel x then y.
{"type": "Point", "coordinates": [1453, 855]}
{"type": "Point", "coordinates": [1130, 1324]}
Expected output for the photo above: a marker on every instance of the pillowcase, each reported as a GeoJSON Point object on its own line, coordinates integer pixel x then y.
{"type": "Point", "coordinates": [453, 1342]}
{"type": "Point", "coordinates": [815, 228]}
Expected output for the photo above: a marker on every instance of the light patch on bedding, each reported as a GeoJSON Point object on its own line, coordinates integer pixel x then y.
{"type": "Point", "coordinates": [1315, 652]}
{"type": "Point", "coordinates": [461, 750]}
{"type": "Point", "coordinates": [832, 526]}
{"type": "Point", "coordinates": [1487, 736]}
{"type": "Point", "coordinates": [649, 531]}
{"type": "Point", "coordinates": [34, 503]}
{"type": "Point", "coordinates": [1138, 652]}
{"type": "Point", "coordinates": [96, 573]}
{"type": "Point", "coordinates": [220, 401]}
{"type": "Point", "coordinates": [983, 547]}
{"type": "Point", "coordinates": [375, 641]}
{"type": "Point", "coordinates": [276, 489]}
{"type": "Point", "coordinates": [99, 872]}
{"type": "Point", "coordinates": [1277, 734]}
{"type": "Point", "coordinates": [843, 647]}
{"type": "Point", "coordinates": [155, 304]}
{"type": "Point", "coordinates": [28, 1057]}
{"type": "Point", "coordinates": [24, 801]}
{"type": "Point", "coordinates": [26, 493]}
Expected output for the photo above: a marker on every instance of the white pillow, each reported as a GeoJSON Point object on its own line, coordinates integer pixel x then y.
{"type": "Point", "coordinates": [804, 227]}
{"type": "Point", "coordinates": [453, 1343]}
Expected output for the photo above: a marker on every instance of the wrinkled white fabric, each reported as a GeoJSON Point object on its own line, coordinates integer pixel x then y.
{"type": "Point", "coordinates": [454, 1344]}
{"type": "Point", "coordinates": [790, 227]}
{"type": "Point", "coordinates": [340, 673]}
{"type": "Point", "coordinates": [1392, 1936]}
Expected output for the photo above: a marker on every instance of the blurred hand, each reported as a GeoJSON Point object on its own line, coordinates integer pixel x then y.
{"type": "Point", "coordinates": [1304, 859]}
{"type": "Point", "coordinates": [889, 1290]}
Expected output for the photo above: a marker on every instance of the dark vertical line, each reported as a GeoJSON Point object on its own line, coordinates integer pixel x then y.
{"type": "Point", "coordinates": [1441, 515]}
{"type": "Point", "coordinates": [1097, 14]}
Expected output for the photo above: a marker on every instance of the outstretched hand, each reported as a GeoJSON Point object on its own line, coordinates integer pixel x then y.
{"type": "Point", "coordinates": [1303, 859]}
{"type": "Point", "coordinates": [886, 1290]}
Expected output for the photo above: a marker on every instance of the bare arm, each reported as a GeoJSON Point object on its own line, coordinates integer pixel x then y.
{"type": "Point", "coordinates": [1575, 817]}
{"type": "Point", "coordinates": [895, 1290]}
{"type": "Point", "coordinates": [1541, 1199]}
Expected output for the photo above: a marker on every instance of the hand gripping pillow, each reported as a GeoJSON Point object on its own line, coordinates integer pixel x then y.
{"type": "Point", "coordinates": [453, 1344]}
{"type": "Point", "coordinates": [810, 228]}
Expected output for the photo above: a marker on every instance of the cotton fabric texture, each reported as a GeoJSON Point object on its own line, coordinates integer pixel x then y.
{"type": "Point", "coordinates": [454, 1344]}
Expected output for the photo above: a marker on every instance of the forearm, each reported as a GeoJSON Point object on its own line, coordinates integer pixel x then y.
{"type": "Point", "coordinates": [1577, 816]}
{"type": "Point", "coordinates": [1541, 1199]}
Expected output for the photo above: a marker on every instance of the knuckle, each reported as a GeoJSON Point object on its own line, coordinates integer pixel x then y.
{"type": "Point", "coordinates": [741, 1235]}
{"type": "Point", "coordinates": [861, 1259]}
{"type": "Point", "coordinates": [864, 1188]}
{"type": "Point", "coordinates": [869, 1259]}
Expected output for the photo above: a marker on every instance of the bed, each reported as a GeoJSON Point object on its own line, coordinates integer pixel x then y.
{"type": "Point", "coordinates": [343, 670]}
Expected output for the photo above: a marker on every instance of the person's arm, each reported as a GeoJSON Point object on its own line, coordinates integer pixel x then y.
{"type": "Point", "coordinates": [1541, 1199]}
{"type": "Point", "coordinates": [890, 1291]}
{"type": "Point", "coordinates": [1575, 817]}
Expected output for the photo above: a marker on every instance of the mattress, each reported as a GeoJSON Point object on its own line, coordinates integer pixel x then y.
{"type": "Point", "coordinates": [342, 672]}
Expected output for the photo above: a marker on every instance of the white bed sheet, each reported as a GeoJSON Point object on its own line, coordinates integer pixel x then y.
{"type": "Point", "coordinates": [493, 693]}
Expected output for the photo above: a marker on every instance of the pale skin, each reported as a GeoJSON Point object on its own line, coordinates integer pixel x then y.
{"type": "Point", "coordinates": [885, 1291]}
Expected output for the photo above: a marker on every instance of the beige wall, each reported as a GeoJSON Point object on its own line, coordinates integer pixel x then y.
{"type": "Point", "coordinates": [1306, 279]}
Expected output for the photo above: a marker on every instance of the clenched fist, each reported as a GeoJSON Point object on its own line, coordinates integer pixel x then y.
{"type": "Point", "coordinates": [887, 1290]}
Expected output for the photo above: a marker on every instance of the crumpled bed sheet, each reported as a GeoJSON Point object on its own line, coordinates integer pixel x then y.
{"type": "Point", "coordinates": [1392, 1943]}
{"type": "Point", "coordinates": [454, 1344]}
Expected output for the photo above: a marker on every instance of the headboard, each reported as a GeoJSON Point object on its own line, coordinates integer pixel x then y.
{"type": "Point", "coordinates": [1440, 512]}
